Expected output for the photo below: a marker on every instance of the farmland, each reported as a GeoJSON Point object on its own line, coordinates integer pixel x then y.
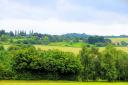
{"type": "Point", "coordinates": [119, 39]}
{"type": "Point", "coordinates": [68, 49]}
{"type": "Point", "coordinates": [72, 49]}
{"type": "Point", "coordinates": [65, 49]}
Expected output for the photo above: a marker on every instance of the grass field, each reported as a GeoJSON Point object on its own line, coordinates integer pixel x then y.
{"type": "Point", "coordinates": [16, 82]}
{"type": "Point", "coordinates": [72, 49]}
{"type": "Point", "coordinates": [77, 44]}
{"type": "Point", "coordinates": [118, 39]}
{"type": "Point", "coordinates": [68, 49]}
{"type": "Point", "coordinates": [65, 49]}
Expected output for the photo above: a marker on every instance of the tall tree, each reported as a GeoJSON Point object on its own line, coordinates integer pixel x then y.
{"type": "Point", "coordinates": [109, 63]}
{"type": "Point", "coordinates": [89, 56]}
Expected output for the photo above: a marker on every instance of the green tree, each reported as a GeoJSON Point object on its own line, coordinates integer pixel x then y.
{"type": "Point", "coordinates": [45, 40]}
{"type": "Point", "coordinates": [122, 65]}
{"type": "Point", "coordinates": [4, 38]}
{"type": "Point", "coordinates": [2, 48]}
{"type": "Point", "coordinates": [108, 63]}
{"type": "Point", "coordinates": [89, 57]}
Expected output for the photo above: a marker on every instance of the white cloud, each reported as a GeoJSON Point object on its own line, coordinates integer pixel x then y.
{"type": "Point", "coordinates": [18, 16]}
{"type": "Point", "coordinates": [13, 9]}
{"type": "Point", "coordinates": [3, 1]}
{"type": "Point", "coordinates": [56, 26]}
{"type": "Point", "coordinates": [65, 5]}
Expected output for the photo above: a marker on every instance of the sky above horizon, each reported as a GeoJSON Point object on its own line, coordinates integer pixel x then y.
{"type": "Point", "coordinates": [96, 17]}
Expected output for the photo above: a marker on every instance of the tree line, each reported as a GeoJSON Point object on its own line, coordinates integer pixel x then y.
{"type": "Point", "coordinates": [22, 37]}
{"type": "Point", "coordinates": [25, 62]}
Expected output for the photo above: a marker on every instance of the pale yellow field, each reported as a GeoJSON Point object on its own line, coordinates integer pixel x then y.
{"type": "Point", "coordinates": [69, 49]}
{"type": "Point", "coordinates": [65, 49]}
{"type": "Point", "coordinates": [118, 39]}
{"type": "Point", "coordinates": [16, 82]}
{"type": "Point", "coordinates": [72, 49]}
{"type": "Point", "coordinates": [125, 49]}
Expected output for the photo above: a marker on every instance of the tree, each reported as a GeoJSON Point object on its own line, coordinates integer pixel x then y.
{"type": "Point", "coordinates": [52, 63]}
{"type": "Point", "coordinates": [4, 38]}
{"type": "Point", "coordinates": [123, 43]}
{"type": "Point", "coordinates": [22, 33]}
{"type": "Point", "coordinates": [98, 40]}
{"type": "Point", "coordinates": [122, 65]}
{"type": "Point", "coordinates": [108, 63]}
{"type": "Point", "coordinates": [2, 32]}
{"type": "Point", "coordinates": [2, 48]}
{"type": "Point", "coordinates": [11, 34]}
{"type": "Point", "coordinates": [89, 57]}
{"type": "Point", "coordinates": [45, 40]}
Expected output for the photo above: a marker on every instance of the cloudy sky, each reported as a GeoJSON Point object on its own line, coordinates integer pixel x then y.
{"type": "Point", "coordinates": [101, 17]}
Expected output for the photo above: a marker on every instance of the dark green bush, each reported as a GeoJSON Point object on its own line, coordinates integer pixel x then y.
{"type": "Point", "coordinates": [5, 65]}
{"type": "Point", "coordinates": [52, 63]}
{"type": "Point", "coordinates": [13, 48]}
{"type": "Point", "coordinates": [1, 48]}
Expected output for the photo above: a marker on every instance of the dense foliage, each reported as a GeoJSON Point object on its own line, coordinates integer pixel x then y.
{"type": "Point", "coordinates": [98, 41]}
{"type": "Point", "coordinates": [109, 65]}
{"type": "Point", "coordinates": [28, 63]}
{"type": "Point", "coordinates": [25, 62]}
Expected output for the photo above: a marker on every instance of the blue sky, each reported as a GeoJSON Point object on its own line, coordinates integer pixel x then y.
{"type": "Point", "coordinates": [101, 17]}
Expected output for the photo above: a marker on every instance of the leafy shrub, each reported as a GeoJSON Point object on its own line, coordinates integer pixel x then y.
{"type": "Point", "coordinates": [52, 63]}
{"type": "Point", "coordinates": [5, 65]}
{"type": "Point", "coordinates": [1, 47]}
{"type": "Point", "coordinates": [63, 63]}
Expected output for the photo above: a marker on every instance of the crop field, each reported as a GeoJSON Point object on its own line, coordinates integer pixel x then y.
{"type": "Point", "coordinates": [59, 83]}
{"type": "Point", "coordinates": [65, 49]}
{"type": "Point", "coordinates": [118, 39]}
{"type": "Point", "coordinates": [77, 44]}
{"type": "Point", "coordinates": [68, 49]}
{"type": "Point", "coordinates": [72, 49]}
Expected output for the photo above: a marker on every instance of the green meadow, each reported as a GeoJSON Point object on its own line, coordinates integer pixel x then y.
{"type": "Point", "coordinates": [58, 83]}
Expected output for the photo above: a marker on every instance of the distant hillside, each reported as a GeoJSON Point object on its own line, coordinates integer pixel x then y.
{"type": "Point", "coordinates": [69, 39]}
{"type": "Point", "coordinates": [78, 35]}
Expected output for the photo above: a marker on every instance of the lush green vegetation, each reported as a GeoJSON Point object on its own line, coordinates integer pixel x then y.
{"type": "Point", "coordinates": [110, 65]}
{"type": "Point", "coordinates": [25, 62]}
{"type": "Point", "coordinates": [60, 57]}
{"type": "Point", "coordinates": [73, 39]}
{"type": "Point", "coordinates": [70, 40]}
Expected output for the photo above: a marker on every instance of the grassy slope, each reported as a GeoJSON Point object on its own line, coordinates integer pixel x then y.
{"type": "Point", "coordinates": [68, 49]}
{"type": "Point", "coordinates": [65, 49]}
{"type": "Point", "coordinates": [59, 83]}
{"type": "Point", "coordinates": [118, 39]}
{"type": "Point", "coordinates": [73, 49]}
{"type": "Point", "coordinates": [77, 44]}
